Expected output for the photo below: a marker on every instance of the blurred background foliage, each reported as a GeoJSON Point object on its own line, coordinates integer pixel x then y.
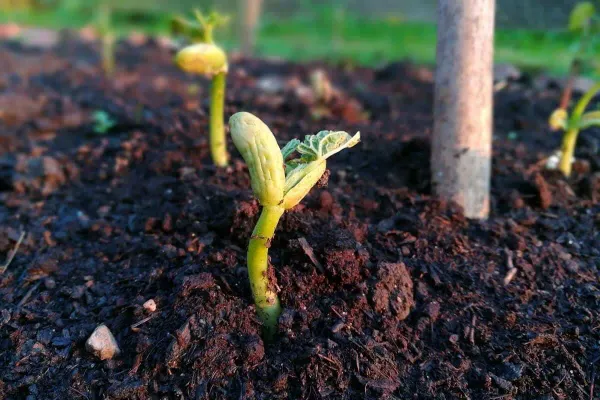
{"type": "Point", "coordinates": [531, 34]}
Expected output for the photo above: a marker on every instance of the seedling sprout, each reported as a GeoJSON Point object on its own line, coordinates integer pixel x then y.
{"type": "Point", "coordinates": [279, 184]}
{"type": "Point", "coordinates": [205, 58]}
{"type": "Point", "coordinates": [571, 124]}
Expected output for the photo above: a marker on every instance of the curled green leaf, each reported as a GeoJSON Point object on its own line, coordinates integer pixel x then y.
{"type": "Point", "coordinates": [289, 148]}
{"type": "Point", "coordinates": [325, 144]}
{"type": "Point", "coordinates": [303, 173]}
{"type": "Point", "coordinates": [589, 119]}
{"type": "Point", "coordinates": [301, 180]}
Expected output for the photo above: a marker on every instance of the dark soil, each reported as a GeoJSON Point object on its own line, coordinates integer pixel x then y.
{"type": "Point", "coordinates": [114, 219]}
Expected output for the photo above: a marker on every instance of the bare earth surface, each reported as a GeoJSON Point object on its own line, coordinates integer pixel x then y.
{"type": "Point", "coordinates": [136, 213]}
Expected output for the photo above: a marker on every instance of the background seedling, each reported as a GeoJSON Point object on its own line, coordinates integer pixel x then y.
{"type": "Point", "coordinates": [207, 59]}
{"type": "Point", "coordinates": [107, 38]}
{"type": "Point", "coordinates": [279, 185]}
{"type": "Point", "coordinates": [103, 122]}
{"type": "Point", "coordinates": [572, 124]}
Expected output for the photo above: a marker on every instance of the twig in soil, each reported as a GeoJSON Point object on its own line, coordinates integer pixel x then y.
{"type": "Point", "coordinates": [83, 395]}
{"type": "Point", "coordinates": [336, 364]}
{"type": "Point", "coordinates": [134, 326]}
{"type": "Point", "coordinates": [512, 271]}
{"type": "Point", "coordinates": [571, 358]}
{"type": "Point", "coordinates": [472, 333]}
{"type": "Point", "coordinates": [28, 294]}
{"type": "Point", "coordinates": [12, 254]}
{"type": "Point", "coordinates": [308, 250]}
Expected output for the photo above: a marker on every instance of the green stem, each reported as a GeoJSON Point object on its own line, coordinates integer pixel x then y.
{"type": "Point", "coordinates": [570, 137]}
{"type": "Point", "coordinates": [108, 54]}
{"type": "Point", "coordinates": [218, 143]}
{"type": "Point", "coordinates": [568, 149]}
{"type": "Point", "coordinates": [265, 298]}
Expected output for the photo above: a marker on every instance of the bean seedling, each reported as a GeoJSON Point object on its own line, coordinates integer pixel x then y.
{"type": "Point", "coordinates": [572, 124]}
{"type": "Point", "coordinates": [279, 184]}
{"type": "Point", "coordinates": [205, 58]}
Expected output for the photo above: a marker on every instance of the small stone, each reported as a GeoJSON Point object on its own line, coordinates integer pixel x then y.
{"type": "Point", "coordinates": [150, 306]}
{"type": "Point", "coordinates": [102, 343]}
{"type": "Point", "coordinates": [49, 283]}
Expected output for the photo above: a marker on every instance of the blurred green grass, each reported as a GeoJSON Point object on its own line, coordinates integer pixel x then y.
{"type": "Point", "coordinates": [333, 35]}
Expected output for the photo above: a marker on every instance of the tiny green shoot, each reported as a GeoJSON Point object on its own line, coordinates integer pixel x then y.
{"type": "Point", "coordinates": [107, 37]}
{"type": "Point", "coordinates": [205, 58]}
{"type": "Point", "coordinates": [279, 183]}
{"type": "Point", "coordinates": [571, 124]}
{"type": "Point", "coordinates": [102, 122]}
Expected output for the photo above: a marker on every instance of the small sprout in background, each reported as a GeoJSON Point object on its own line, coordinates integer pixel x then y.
{"type": "Point", "coordinates": [571, 124]}
{"type": "Point", "coordinates": [584, 22]}
{"type": "Point", "coordinates": [107, 37]}
{"type": "Point", "coordinates": [279, 184]}
{"type": "Point", "coordinates": [322, 87]}
{"type": "Point", "coordinates": [205, 58]}
{"type": "Point", "coordinates": [103, 122]}
{"type": "Point", "coordinates": [326, 100]}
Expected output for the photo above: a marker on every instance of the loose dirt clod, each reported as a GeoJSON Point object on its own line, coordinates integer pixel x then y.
{"type": "Point", "coordinates": [102, 343]}
{"type": "Point", "coordinates": [394, 290]}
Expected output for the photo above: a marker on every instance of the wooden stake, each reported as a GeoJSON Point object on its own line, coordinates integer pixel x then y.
{"type": "Point", "coordinates": [462, 137]}
{"type": "Point", "coordinates": [250, 16]}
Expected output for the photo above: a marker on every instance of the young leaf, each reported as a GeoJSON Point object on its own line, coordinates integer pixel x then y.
{"type": "Point", "coordinates": [581, 15]}
{"type": "Point", "coordinates": [589, 119]}
{"type": "Point", "coordinates": [325, 144]}
{"type": "Point", "coordinates": [301, 180]}
{"type": "Point", "coordinates": [289, 148]}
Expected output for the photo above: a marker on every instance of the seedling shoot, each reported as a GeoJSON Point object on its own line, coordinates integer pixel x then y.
{"type": "Point", "coordinates": [205, 58]}
{"type": "Point", "coordinates": [279, 184]}
{"type": "Point", "coordinates": [571, 124]}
